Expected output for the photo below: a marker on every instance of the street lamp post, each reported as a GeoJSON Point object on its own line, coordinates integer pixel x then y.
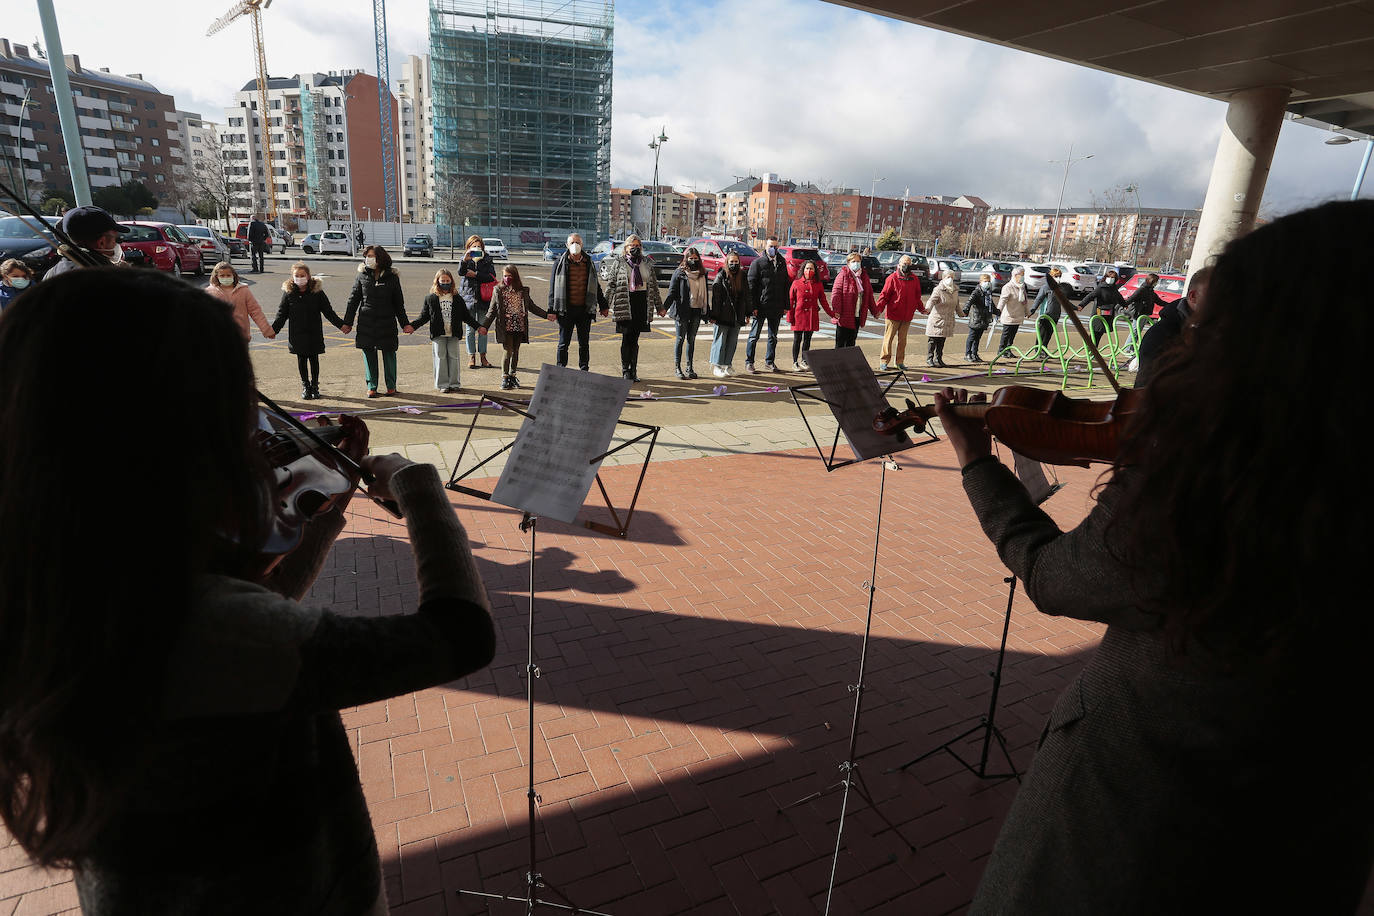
{"type": "Point", "coordinates": [872, 201]}
{"type": "Point", "coordinates": [656, 144]}
{"type": "Point", "coordinates": [1068, 161]}
{"type": "Point", "coordinates": [1135, 246]}
{"type": "Point", "coordinates": [1338, 140]}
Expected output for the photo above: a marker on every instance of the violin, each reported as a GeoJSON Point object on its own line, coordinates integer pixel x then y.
{"type": "Point", "coordinates": [1040, 423]}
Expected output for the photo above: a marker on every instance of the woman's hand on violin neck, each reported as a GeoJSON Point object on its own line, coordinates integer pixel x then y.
{"type": "Point", "coordinates": [383, 468]}
{"type": "Point", "coordinates": [356, 436]}
{"type": "Point", "coordinates": [968, 435]}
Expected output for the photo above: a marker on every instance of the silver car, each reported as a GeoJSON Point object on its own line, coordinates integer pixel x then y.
{"type": "Point", "coordinates": [212, 247]}
{"type": "Point", "coordinates": [938, 266]}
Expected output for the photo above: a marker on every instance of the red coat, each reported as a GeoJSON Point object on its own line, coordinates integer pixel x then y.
{"type": "Point", "coordinates": [844, 298]}
{"type": "Point", "coordinates": [807, 298]}
{"type": "Point", "coordinates": [901, 296]}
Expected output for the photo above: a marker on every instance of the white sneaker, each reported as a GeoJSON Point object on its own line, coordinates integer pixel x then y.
{"type": "Point", "coordinates": [718, 371]}
{"type": "Point", "coordinates": [729, 370]}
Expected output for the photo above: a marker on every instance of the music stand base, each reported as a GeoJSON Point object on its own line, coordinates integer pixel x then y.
{"type": "Point", "coordinates": [861, 790]}
{"type": "Point", "coordinates": [981, 770]}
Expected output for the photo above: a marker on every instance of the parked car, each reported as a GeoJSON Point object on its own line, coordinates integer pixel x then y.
{"type": "Point", "coordinates": [1169, 287]}
{"type": "Point", "coordinates": [973, 268]}
{"type": "Point", "coordinates": [280, 237]}
{"type": "Point", "coordinates": [665, 258]}
{"type": "Point", "coordinates": [876, 273]}
{"type": "Point", "coordinates": [419, 246]}
{"type": "Point", "coordinates": [603, 248]}
{"type": "Point", "coordinates": [939, 264]}
{"type": "Point", "coordinates": [1124, 271]}
{"type": "Point", "coordinates": [496, 249]}
{"type": "Point", "coordinates": [713, 252]}
{"type": "Point", "coordinates": [797, 255]}
{"type": "Point", "coordinates": [166, 247]}
{"type": "Point", "coordinates": [19, 238]}
{"type": "Point", "coordinates": [1077, 279]}
{"type": "Point", "coordinates": [238, 248]}
{"type": "Point", "coordinates": [212, 247]}
{"type": "Point", "coordinates": [554, 250]}
{"type": "Point", "coordinates": [1035, 274]}
{"type": "Point", "coordinates": [920, 265]}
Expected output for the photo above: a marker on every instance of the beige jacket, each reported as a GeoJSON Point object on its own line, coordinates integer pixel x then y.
{"type": "Point", "coordinates": [1014, 303]}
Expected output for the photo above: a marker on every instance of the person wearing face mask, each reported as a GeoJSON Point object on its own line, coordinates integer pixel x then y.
{"type": "Point", "coordinates": [632, 290]}
{"type": "Point", "coordinates": [476, 281]}
{"type": "Point", "coordinates": [729, 307]}
{"type": "Point", "coordinates": [1104, 301]}
{"type": "Point", "coordinates": [769, 286]}
{"type": "Point", "coordinates": [227, 286]}
{"type": "Point", "coordinates": [380, 307]}
{"type": "Point", "coordinates": [15, 277]}
{"type": "Point", "coordinates": [575, 297]}
{"type": "Point", "coordinates": [899, 302]}
{"type": "Point", "coordinates": [446, 313]}
{"type": "Point", "coordinates": [687, 301]}
{"type": "Point", "coordinates": [807, 298]}
{"type": "Point", "coordinates": [1014, 304]}
{"type": "Point", "coordinates": [305, 305]}
{"type": "Point", "coordinates": [509, 312]}
{"type": "Point", "coordinates": [96, 231]}
{"type": "Point", "coordinates": [851, 301]}
{"type": "Point", "coordinates": [944, 309]}
{"type": "Point", "coordinates": [981, 306]}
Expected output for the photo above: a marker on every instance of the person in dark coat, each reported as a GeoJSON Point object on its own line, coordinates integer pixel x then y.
{"type": "Point", "coordinates": [476, 281]}
{"type": "Point", "coordinates": [1173, 776]}
{"type": "Point", "coordinates": [446, 313]}
{"type": "Point", "coordinates": [730, 307]}
{"type": "Point", "coordinates": [688, 300]}
{"type": "Point", "coordinates": [1144, 300]}
{"type": "Point", "coordinates": [982, 305]}
{"type": "Point", "coordinates": [575, 297]}
{"type": "Point", "coordinates": [1046, 302]}
{"type": "Point", "coordinates": [257, 243]}
{"type": "Point", "coordinates": [632, 291]}
{"type": "Point", "coordinates": [509, 311]}
{"type": "Point", "coordinates": [305, 305]}
{"type": "Point", "coordinates": [1166, 333]}
{"type": "Point", "coordinates": [380, 307]}
{"type": "Point", "coordinates": [769, 286]}
{"type": "Point", "coordinates": [1104, 301]}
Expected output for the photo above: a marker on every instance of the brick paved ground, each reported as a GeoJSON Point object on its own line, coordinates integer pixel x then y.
{"type": "Point", "coordinates": [694, 679]}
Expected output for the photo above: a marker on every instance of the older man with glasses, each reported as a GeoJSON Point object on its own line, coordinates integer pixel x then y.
{"type": "Point", "coordinates": [574, 296]}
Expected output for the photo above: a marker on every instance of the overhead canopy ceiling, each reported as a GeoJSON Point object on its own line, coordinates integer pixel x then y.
{"type": "Point", "coordinates": [1323, 51]}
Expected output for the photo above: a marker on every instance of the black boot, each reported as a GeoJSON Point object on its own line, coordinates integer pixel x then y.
{"type": "Point", "coordinates": [306, 394]}
{"type": "Point", "coordinates": [940, 352]}
{"type": "Point", "coordinates": [680, 373]}
{"type": "Point", "coordinates": [314, 391]}
{"type": "Point", "coordinates": [930, 353]}
{"type": "Point", "coordinates": [691, 373]}
{"type": "Point", "coordinates": [634, 372]}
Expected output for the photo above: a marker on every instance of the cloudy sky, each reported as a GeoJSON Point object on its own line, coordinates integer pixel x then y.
{"type": "Point", "coordinates": [811, 91]}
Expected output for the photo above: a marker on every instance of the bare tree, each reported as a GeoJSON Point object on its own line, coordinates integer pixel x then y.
{"type": "Point", "coordinates": [1112, 240]}
{"type": "Point", "coordinates": [183, 192]}
{"type": "Point", "coordinates": [213, 177]}
{"type": "Point", "coordinates": [818, 212]}
{"type": "Point", "coordinates": [454, 203]}
{"type": "Point", "coordinates": [949, 240]}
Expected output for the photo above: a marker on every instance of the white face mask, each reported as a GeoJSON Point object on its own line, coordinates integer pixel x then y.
{"type": "Point", "coordinates": [1110, 280]}
{"type": "Point", "coordinates": [856, 266]}
{"type": "Point", "coordinates": [115, 254]}
{"type": "Point", "coordinates": [301, 281]}
{"type": "Point", "coordinates": [1017, 278]}
{"type": "Point", "coordinates": [986, 284]}
{"type": "Point", "coordinates": [574, 248]}
{"type": "Point", "coordinates": [370, 263]}
{"type": "Point", "coordinates": [225, 281]}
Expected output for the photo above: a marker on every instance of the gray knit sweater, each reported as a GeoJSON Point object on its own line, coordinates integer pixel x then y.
{"type": "Point", "coordinates": [249, 801]}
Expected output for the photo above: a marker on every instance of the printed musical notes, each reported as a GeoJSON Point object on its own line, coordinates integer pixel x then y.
{"type": "Point", "coordinates": [550, 469]}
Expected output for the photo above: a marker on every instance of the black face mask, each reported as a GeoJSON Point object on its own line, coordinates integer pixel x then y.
{"type": "Point", "coordinates": [694, 265]}
{"type": "Point", "coordinates": [634, 253]}
{"type": "Point", "coordinates": [733, 268]}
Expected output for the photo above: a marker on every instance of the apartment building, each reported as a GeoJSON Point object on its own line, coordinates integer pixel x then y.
{"type": "Point", "coordinates": [788, 210]}
{"type": "Point", "coordinates": [415, 143]}
{"type": "Point", "coordinates": [128, 129]}
{"type": "Point", "coordinates": [1107, 234]}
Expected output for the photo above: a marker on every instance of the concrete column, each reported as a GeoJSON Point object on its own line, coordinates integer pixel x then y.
{"type": "Point", "coordinates": [1240, 170]}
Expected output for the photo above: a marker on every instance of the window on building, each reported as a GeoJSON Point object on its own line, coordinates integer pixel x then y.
{"type": "Point", "coordinates": [157, 160]}
{"type": "Point", "coordinates": [276, 104]}
{"type": "Point", "coordinates": [150, 106]}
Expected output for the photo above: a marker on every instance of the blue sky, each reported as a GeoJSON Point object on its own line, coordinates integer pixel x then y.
{"type": "Point", "coordinates": [807, 89]}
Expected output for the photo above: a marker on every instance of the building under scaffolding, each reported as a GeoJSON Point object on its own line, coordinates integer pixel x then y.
{"type": "Point", "coordinates": [522, 111]}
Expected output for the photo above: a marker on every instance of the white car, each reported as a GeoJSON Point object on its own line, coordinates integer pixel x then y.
{"type": "Point", "coordinates": [1035, 274]}
{"type": "Point", "coordinates": [331, 241]}
{"type": "Point", "coordinates": [281, 239]}
{"type": "Point", "coordinates": [212, 247]}
{"type": "Point", "coordinates": [496, 249]}
{"type": "Point", "coordinates": [1078, 279]}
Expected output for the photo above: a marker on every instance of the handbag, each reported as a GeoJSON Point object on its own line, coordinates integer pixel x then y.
{"type": "Point", "coordinates": [487, 290]}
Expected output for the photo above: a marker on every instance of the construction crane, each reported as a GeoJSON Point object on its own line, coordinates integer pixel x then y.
{"type": "Point", "coordinates": [384, 111]}
{"type": "Point", "coordinates": [255, 7]}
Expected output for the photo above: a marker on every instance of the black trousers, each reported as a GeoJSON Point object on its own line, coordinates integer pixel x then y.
{"type": "Point", "coordinates": [801, 343]}
{"type": "Point", "coordinates": [686, 332]}
{"type": "Point", "coordinates": [975, 340]}
{"type": "Point", "coordinates": [846, 337]}
{"type": "Point", "coordinates": [1008, 335]}
{"type": "Point", "coordinates": [630, 330]}
{"type": "Point", "coordinates": [582, 323]}
{"type": "Point", "coordinates": [311, 363]}
{"type": "Point", "coordinates": [258, 250]}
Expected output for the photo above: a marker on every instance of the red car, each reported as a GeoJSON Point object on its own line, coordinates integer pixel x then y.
{"type": "Point", "coordinates": [165, 247]}
{"type": "Point", "coordinates": [713, 252]}
{"type": "Point", "coordinates": [796, 256]}
{"type": "Point", "coordinates": [1169, 287]}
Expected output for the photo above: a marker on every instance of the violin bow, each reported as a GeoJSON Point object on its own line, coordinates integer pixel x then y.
{"type": "Point", "coordinates": [1082, 332]}
{"type": "Point", "coordinates": [65, 246]}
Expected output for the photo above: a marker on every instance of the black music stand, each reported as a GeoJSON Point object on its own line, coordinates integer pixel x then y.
{"type": "Point", "coordinates": [849, 387]}
{"type": "Point", "coordinates": [621, 528]}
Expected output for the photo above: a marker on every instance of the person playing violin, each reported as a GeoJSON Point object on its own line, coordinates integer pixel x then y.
{"type": "Point", "coordinates": [169, 716]}
{"type": "Point", "coordinates": [1176, 772]}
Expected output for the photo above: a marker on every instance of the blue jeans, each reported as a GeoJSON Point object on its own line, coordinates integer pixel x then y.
{"type": "Point", "coordinates": [755, 329]}
{"type": "Point", "coordinates": [723, 345]}
{"type": "Point", "coordinates": [477, 343]}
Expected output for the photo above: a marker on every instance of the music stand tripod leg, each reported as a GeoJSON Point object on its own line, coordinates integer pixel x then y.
{"type": "Point", "coordinates": [533, 879]}
{"type": "Point", "coordinates": [987, 723]}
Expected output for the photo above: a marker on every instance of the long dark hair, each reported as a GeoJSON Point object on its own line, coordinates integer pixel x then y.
{"type": "Point", "coordinates": [107, 518]}
{"type": "Point", "coordinates": [1244, 503]}
{"type": "Point", "coordinates": [382, 256]}
{"type": "Point", "coordinates": [686, 254]}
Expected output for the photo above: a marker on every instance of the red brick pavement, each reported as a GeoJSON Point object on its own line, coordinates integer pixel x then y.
{"type": "Point", "coordinates": [694, 679]}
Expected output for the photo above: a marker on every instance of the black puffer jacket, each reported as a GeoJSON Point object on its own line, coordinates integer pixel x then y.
{"type": "Point", "coordinates": [769, 285]}
{"type": "Point", "coordinates": [380, 308]}
{"type": "Point", "coordinates": [727, 309]}
{"type": "Point", "coordinates": [305, 309]}
{"type": "Point", "coordinates": [1106, 298]}
{"type": "Point", "coordinates": [982, 305]}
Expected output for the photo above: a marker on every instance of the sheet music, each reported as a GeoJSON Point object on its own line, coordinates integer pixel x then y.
{"type": "Point", "coordinates": [855, 398]}
{"type": "Point", "coordinates": [1031, 473]}
{"type": "Point", "coordinates": [549, 470]}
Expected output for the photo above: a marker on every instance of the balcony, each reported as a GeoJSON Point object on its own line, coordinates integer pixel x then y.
{"type": "Point", "coordinates": [121, 106]}
{"type": "Point", "coordinates": [126, 145]}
